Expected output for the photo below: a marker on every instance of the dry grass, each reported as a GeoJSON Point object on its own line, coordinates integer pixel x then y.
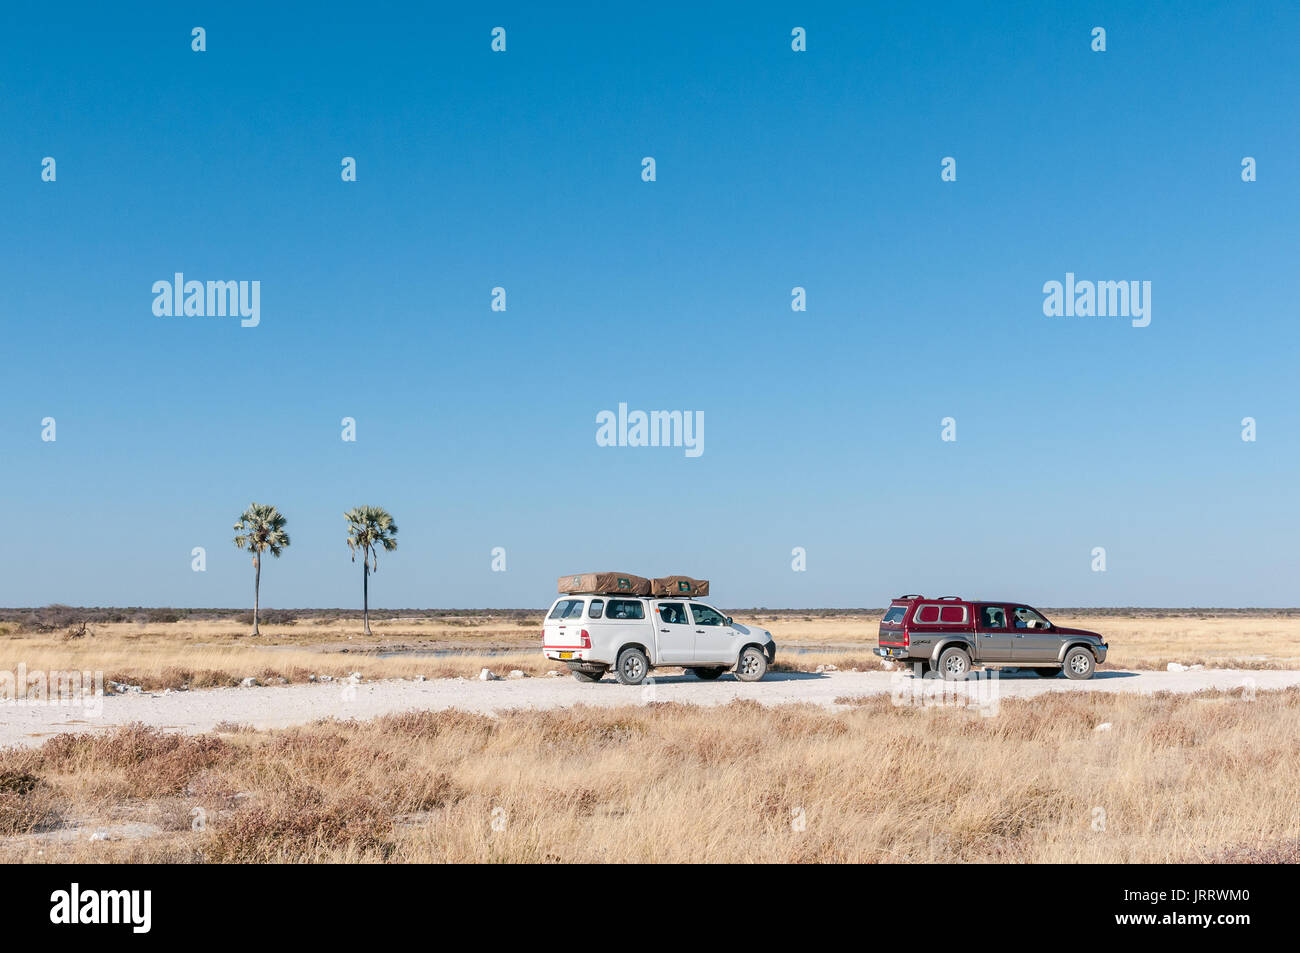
{"type": "Point", "coordinates": [1178, 778]}
{"type": "Point", "coordinates": [204, 654]}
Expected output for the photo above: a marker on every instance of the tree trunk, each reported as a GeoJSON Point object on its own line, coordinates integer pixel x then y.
{"type": "Point", "coordinates": [365, 592]}
{"type": "Point", "coordinates": [257, 590]}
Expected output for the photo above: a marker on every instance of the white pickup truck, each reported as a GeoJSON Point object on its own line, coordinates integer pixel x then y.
{"type": "Point", "coordinates": [594, 633]}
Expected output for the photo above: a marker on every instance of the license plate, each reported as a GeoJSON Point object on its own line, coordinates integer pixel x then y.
{"type": "Point", "coordinates": [566, 655]}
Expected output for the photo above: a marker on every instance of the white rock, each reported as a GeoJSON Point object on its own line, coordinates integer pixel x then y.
{"type": "Point", "coordinates": [249, 682]}
{"type": "Point", "coordinates": [1195, 667]}
{"type": "Point", "coordinates": [1104, 726]}
{"type": "Point", "coordinates": [1175, 667]}
{"type": "Point", "coordinates": [99, 835]}
{"type": "Point", "coordinates": [487, 676]}
{"type": "Point", "coordinates": [420, 678]}
{"type": "Point", "coordinates": [516, 673]}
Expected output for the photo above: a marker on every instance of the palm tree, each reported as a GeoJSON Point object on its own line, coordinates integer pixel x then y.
{"type": "Point", "coordinates": [370, 529]}
{"type": "Point", "coordinates": [261, 530]}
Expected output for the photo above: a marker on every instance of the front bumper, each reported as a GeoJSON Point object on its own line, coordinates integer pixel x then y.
{"type": "Point", "coordinates": [1100, 652]}
{"type": "Point", "coordinates": [770, 651]}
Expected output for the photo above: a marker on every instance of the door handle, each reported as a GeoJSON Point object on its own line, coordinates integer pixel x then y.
{"type": "Point", "coordinates": [664, 630]}
{"type": "Point", "coordinates": [699, 631]}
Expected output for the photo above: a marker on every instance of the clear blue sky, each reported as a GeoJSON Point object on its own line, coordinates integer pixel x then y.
{"type": "Point", "coordinates": [775, 169]}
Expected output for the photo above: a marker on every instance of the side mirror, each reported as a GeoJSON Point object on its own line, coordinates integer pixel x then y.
{"type": "Point", "coordinates": [728, 620]}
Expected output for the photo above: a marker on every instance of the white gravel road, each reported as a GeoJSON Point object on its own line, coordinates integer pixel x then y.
{"type": "Point", "coordinates": [280, 706]}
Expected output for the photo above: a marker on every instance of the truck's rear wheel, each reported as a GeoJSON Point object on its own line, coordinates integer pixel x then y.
{"type": "Point", "coordinates": [954, 664]}
{"type": "Point", "coordinates": [708, 674]}
{"type": "Point", "coordinates": [632, 667]}
{"type": "Point", "coordinates": [1047, 672]}
{"type": "Point", "coordinates": [752, 664]}
{"type": "Point", "coordinates": [1079, 663]}
{"type": "Point", "coordinates": [590, 676]}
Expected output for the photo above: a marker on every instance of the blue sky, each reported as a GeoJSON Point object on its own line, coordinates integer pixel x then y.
{"type": "Point", "coordinates": [775, 169]}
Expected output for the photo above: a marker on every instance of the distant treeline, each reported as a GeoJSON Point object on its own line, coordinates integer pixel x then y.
{"type": "Point", "coordinates": [61, 616]}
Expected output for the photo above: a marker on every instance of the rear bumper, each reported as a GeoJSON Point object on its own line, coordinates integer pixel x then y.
{"type": "Point", "coordinates": [890, 651]}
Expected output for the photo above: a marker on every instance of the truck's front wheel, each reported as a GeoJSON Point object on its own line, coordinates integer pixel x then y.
{"type": "Point", "coordinates": [632, 667]}
{"type": "Point", "coordinates": [1079, 664]}
{"type": "Point", "coordinates": [752, 664]}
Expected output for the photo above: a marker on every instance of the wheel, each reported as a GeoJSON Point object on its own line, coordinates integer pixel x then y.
{"type": "Point", "coordinates": [632, 667]}
{"type": "Point", "coordinates": [1079, 663]}
{"type": "Point", "coordinates": [1047, 672]}
{"type": "Point", "coordinates": [752, 664]}
{"type": "Point", "coordinates": [582, 676]}
{"type": "Point", "coordinates": [954, 664]}
{"type": "Point", "coordinates": [708, 674]}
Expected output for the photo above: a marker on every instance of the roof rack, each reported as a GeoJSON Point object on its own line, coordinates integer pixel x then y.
{"type": "Point", "coordinates": [950, 599]}
{"type": "Point", "coordinates": [910, 595]}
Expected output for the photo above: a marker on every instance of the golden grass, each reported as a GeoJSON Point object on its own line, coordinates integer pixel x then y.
{"type": "Point", "coordinates": [1177, 778]}
{"type": "Point", "coordinates": [214, 653]}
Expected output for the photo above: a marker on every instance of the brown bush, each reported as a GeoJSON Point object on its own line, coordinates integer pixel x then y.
{"type": "Point", "coordinates": [303, 824]}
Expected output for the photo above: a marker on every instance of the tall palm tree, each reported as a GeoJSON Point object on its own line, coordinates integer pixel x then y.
{"type": "Point", "coordinates": [261, 530]}
{"type": "Point", "coordinates": [370, 529]}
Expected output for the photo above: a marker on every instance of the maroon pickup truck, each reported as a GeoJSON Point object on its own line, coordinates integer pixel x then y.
{"type": "Point", "coordinates": [950, 635]}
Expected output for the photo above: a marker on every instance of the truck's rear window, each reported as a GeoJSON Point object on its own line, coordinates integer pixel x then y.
{"type": "Point", "coordinates": [894, 615]}
{"type": "Point", "coordinates": [567, 609]}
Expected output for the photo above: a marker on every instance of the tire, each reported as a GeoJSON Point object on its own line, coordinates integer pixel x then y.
{"type": "Point", "coordinates": [1079, 664]}
{"type": "Point", "coordinates": [708, 674]}
{"type": "Point", "coordinates": [632, 667]}
{"type": "Point", "coordinates": [1047, 672]}
{"type": "Point", "coordinates": [752, 664]}
{"type": "Point", "coordinates": [954, 664]}
{"type": "Point", "coordinates": [588, 676]}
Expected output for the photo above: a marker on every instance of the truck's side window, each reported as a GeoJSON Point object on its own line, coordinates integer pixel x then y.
{"type": "Point", "coordinates": [1027, 618]}
{"type": "Point", "coordinates": [706, 616]}
{"type": "Point", "coordinates": [625, 609]}
{"type": "Point", "coordinates": [596, 608]}
{"type": "Point", "coordinates": [674, 613]}
{"type": "Point", "coordinates": [994, 617]}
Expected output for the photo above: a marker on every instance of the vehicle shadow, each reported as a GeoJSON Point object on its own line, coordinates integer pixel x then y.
{"type": "Point", "coordinates": [1028, 673]}
{"type": "Point", "coordinates": [730, 677]}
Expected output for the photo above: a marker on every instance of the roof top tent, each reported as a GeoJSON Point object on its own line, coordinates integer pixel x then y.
{"type": "Point", "coordinates": [615, 583]}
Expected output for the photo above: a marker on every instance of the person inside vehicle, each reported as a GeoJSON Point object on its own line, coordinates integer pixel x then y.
{"type": "Point", "coordinates": [994, 618]}
{"type": "Point", "coordinates": [1025, 619]}
{"type": "Point", "coordinates": [672, 614]}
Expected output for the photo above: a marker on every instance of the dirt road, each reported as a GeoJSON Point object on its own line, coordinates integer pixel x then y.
{"type": "Point", "coordinates": [280, 706]}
